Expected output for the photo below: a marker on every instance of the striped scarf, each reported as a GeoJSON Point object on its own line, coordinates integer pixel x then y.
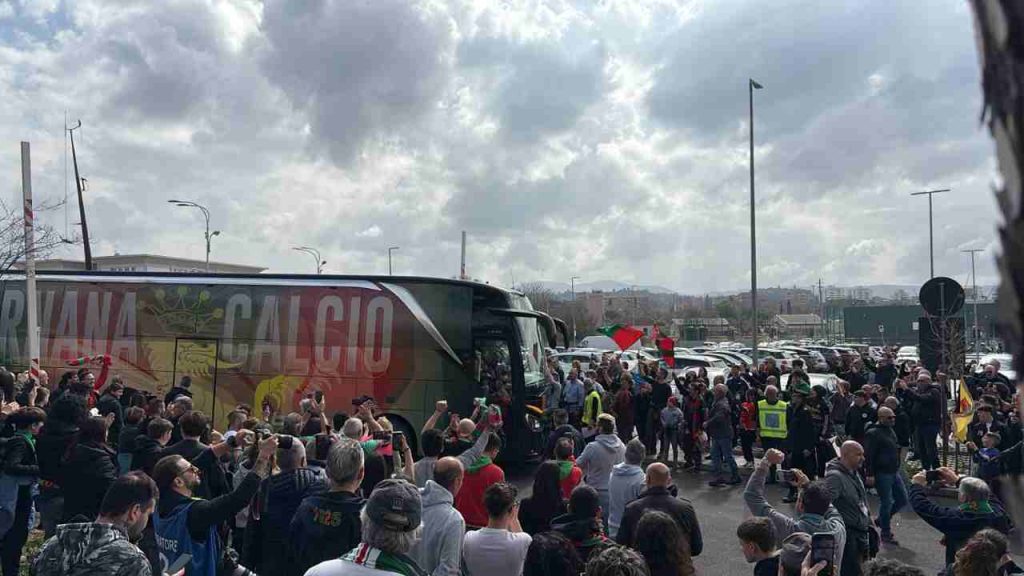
{"type": "Point", "coordinates": [377, 559]}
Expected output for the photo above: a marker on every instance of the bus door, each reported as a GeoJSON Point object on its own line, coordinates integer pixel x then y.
{"type": "Point", "coordinates": [197, 359]}
{"type": "Point", "coordinates": [494, 370]}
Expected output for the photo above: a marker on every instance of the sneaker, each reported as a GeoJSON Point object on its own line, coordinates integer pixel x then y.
{"type": "Point", "coordinates": [716, 483]}
{"type": "Point", "coordinates": [890, 540]}
{"type": "Point", "coordinates": [735, 481]}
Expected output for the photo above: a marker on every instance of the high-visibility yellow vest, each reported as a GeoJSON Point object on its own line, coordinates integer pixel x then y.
{"type": "Point", "coordinates": [771, 419]}
{"type": "Point", "coordinates": [591, 409]}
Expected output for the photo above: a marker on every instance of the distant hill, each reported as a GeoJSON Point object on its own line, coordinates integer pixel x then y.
{"type": "Point", "coordinates": [601, 285]}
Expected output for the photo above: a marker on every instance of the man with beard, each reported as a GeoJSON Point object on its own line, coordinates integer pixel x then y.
{"type": "Point", "coordinates": [104, 547]}
{"type": "Point", "coordinates": [187, 525]}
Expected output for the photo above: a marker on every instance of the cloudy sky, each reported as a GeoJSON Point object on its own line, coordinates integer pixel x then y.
{"type": "Point", "coordinates": [605, 139]}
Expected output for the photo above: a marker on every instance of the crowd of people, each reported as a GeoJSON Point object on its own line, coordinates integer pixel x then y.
{"type": "Point", "coordinates": [124, 482]}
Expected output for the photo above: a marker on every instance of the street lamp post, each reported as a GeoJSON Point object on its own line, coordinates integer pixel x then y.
{"type": "Point", "coordinates": [206, 215]}
{"type": "Point", "coordinates": [390, 250]}
{"type": "Point", "coordinates": [931, 236]}
{"type": "Point", "coordinates": [572, 287]}
{"type": "Point", "coordinates": [752, 85]}
{"type": "Point", "coordinates": [315, 254]}
{"type": "Point", "coordinates": [974, 278]}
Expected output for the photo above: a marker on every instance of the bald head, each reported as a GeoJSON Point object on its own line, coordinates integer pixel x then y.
{"type": "Point", "coordinates": [466, 427]}
{"type": "Point", "coordinates": [720, 390]}
{"type": "Point", "coordinates": [292, 457]}
{"type": "Point", "coordinates": [885, 412]}
{"type": "Point", "coordinates": [658, 474]}
{"type": "Point", "coordinates": [448, 473]}
{"type": "Point", "coordinates": [852, 455]}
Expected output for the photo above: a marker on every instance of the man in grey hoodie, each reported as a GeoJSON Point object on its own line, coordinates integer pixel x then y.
{"type": "Point", "coordinates": [851, 499]}
{"type": "Point", "coordinates": [599, 457]}
{"type": "Point", "coordinates": [814, 509]}
{"type": "Point", "coordinates": [439, 550]}
{"type": "Point", "coordinates": [625, 484]}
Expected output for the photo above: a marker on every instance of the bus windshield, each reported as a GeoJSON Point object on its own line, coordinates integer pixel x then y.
{"type": "Point", "coordinates": [533, 351]}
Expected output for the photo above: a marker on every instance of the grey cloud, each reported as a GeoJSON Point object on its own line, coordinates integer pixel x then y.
{"type": "Point", "coordinates": [359, 69]}
{"type": "Point", "coordinates": [540, 89]}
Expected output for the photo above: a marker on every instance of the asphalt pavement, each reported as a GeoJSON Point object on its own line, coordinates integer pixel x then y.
{"type": "Point", "coordinates": [720, 510]}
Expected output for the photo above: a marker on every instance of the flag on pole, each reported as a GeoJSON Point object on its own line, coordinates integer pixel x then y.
{"type": "Point", "coordinates": [963, 414]}
{"type": "Point", "coordinates": [666, 347]}
{"type": "Point", "coordinates": [624, 336]}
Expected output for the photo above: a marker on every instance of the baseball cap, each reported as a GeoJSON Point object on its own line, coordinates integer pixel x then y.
{"type": "Point", "coordinates": [794, 549]}
{"type": "Point", "coordinates": [395, 505]}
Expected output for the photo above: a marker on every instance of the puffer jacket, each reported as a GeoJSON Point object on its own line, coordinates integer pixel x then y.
{"type": "Point", "coordinates": [278, 500]}
{"type": "Point", "coordinates": [90, 549]}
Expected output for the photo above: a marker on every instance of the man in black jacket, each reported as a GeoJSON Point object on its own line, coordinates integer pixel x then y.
{"type": "Point", "coordinates": [110, 403]}
{"type": "Point", "coordinates": [149, 447]}
{"type": "Point", "coordinates": [327, 524]}
{"type": "Point", "coordinates": [926, 413]}
{"type": "Point", "coordinates": [193, 425]}
{"type": "Point", "coordinates": [802, 437]}
{"type": "Point", "coordinates": [182, 389]}
{"type": "Point", "coordinates": [659, 495]}
{"type": "Point", "coordinates": [986, 423]}
{"type": "Point", "coordinates": [272, 512]}
{"type": "Point", "coordinates": [886, 373]}
{"type": "Point", "coordinates": [882, 466]}
{"type": "Point", "coordinates": [859, 416]}
{"type": "Point", "coordinates": [855, 375]}
{"type": "Point", "coordinates": [187, 525]}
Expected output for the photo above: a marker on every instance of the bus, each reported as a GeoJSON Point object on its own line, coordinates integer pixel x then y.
{"type": "Point", "coordinates": [405, 341]}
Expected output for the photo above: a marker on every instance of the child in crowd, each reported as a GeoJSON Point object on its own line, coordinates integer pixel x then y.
{"type": "Point", "coordinates": [987, 458]}
{"type": "Point", "coordinates": [671, 421]}
{"type": "Point", "coordinates": [748, 425]}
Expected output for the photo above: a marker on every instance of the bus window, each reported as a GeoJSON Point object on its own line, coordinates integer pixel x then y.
{"type": "Point", "coordinates": [533, 352]}
{"type": "Point", "coordinates": [491, 368]}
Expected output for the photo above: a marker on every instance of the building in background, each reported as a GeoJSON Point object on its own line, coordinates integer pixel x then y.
{"type": "Point", "coordinates": [798, 326]}
{"type": "Point", "coordinates": [146, 263]}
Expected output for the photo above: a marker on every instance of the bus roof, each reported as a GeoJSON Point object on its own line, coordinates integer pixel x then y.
{"type": "Point", "coordinates": [250, 279]}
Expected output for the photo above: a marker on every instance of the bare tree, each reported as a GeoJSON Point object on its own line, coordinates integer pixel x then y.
{"type": "Point", "coordinates": [12, 236]}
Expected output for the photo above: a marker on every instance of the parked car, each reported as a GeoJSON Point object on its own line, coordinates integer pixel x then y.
{"type": "Point", "coordinates": [813, 360]}
{"type": "Point", "coordinates": [907, 351]}
{"type": "Point", "coordinates": [829, 381]}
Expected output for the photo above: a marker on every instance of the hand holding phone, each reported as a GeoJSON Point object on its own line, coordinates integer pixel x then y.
{"type": "Point", "coordinates": [823, 549]}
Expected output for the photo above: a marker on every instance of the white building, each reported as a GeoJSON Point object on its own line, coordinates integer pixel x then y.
{"type": "Point", "coordinates": [146, 263]}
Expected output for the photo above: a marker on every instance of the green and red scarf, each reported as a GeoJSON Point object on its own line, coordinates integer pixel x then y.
{"type": "Point", "coordinates": [377, 559]}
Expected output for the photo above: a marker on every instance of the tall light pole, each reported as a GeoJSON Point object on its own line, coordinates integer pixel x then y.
{"type": "Point", "coordinates": [572, 287]}
{"type": "Point", "coordinates": [752, 85]}
{"type": "Point", "coordinates": [206, 215]}
{"type": "Point", "coordinates": [974, 278]}
{"type": "Point", "coordinates": [390, 250]}
{"type": "Point", "coordinates": [315, 254]}
{"type": "Point", "coordinates": [931, 236]}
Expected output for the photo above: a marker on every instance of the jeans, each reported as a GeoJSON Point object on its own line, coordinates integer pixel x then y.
{"type": "Point", "coordinates": [893, 496]}
{"type": "Point", "coordinates": [747, 438]}
{"type": "Point", "coordinates": [721, 453]}
{"type": "Point", "coordinates": [51, 509]}
{"type": "Point", "coordinates": [670, 441]}
{"type": "Point", "coordinates": [929, 451]}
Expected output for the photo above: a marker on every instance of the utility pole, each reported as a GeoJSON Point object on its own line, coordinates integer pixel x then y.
{"type": "Point", "coordinates": [462, 268]}
{"type": "Point", "coordinates": [390, 250]}
{"type": "Point", "coordinates": [81, 200]}
{"type": "Point", "coordinates": [753, 234]}
{"type": "Point", "coordinates": [931, 235]}
{"type": "Point", "coordinates": [572, 287]}
{"type": "Point", "coordinates": [974, 278]}
{"type": "Point", "coordinates": [32, 330]}
{"type": "Point", "coordinates": [315, 254]}
{"type": "Point", "coordinates": [821, 305]}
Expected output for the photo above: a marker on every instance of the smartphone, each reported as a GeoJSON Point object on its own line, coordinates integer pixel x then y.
{"type": "Point", "coordinates": [319, 396]}
{"type": "Point", "coordinates": [284, 441]}
{"type": "Point", "coordinates": [788, 475]}
{"type": "Point", "coordinates": [382, 435]}
{"type": "Point", "coordinates": [397, 437]}
{"type": "Point", "coordinates": [932, 476]}
{"type": "Point", "coordinates": [823, 547]}
{"type": "Point", "coordinates": [179, 564]}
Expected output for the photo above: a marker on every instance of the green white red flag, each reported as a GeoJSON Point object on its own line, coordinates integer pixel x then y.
{"type": "Point", "coordinates": [624, 336]}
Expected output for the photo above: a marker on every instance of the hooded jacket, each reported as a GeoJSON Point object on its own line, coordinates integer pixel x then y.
{"type": "Point", "coordinates": [831, 522]}
{"type": "Point", "coordinates": [147, 453]}
{"type": "Point", "coordinates": [86, 475]}
{"type": "Point", "coordinates": [324, 527]}
{"type": "Point", "coordinates": [598, 459]}
{"type": "Point", "coordinates": [584, 533]}
{"type": "Point", "coordinates": [624, 486]}
{"type": "Point", "coordinates": [439, 550]}
{"type": "Point", "coordinates": [470, 499]}
{"type": "Point", "coordinates": [849, 497]}
{"type": "Point", "coordinates": [90, 549]}
{"type": "Point", "coordinates": [881, 450]}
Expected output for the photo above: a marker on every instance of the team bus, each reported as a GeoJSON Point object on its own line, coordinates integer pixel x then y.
{"type": "Point", "coordinates": [255, 339]}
